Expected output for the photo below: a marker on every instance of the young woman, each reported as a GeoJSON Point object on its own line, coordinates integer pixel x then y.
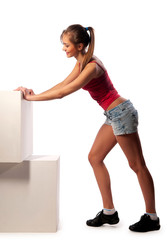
{"type": "Point", "coordinates": [120, 126]}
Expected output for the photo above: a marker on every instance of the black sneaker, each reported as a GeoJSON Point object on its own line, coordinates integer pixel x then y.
{"type": "Point", "coordinates": [101, 219]}
{"type": "Point", "coordinates": [145, 224]}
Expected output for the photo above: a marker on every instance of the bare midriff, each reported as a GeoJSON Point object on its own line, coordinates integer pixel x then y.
{"type": "Point", "coordinates": [116, 103]}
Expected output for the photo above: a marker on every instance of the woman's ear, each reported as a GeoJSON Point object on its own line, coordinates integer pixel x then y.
{"type": "Point", "coordinates": [80, 46]}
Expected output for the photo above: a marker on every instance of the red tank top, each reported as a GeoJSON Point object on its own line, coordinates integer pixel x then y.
{"type": "Point", "coordinates": [102, 90]}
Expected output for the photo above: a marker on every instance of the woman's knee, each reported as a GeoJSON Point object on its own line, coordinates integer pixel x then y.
{"type": "Point", "coordinates": [137, 165]}
{"type": "Point", "coordinates": [94, 159]}
{"type": "Point", "coordinates": [133, 166]}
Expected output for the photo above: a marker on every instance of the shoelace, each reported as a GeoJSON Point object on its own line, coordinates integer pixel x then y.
{"type": "Point", "coordinates": [99, 213]}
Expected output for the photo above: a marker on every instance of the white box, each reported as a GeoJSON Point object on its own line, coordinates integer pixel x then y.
{"type": "Point", "coordinates": [16, 127]}
{"type": "Point", "coordinates": [29, 195]}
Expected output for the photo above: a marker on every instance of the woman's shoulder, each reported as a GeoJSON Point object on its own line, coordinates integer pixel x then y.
{"type": "Point", "coordinates": [98, 62]}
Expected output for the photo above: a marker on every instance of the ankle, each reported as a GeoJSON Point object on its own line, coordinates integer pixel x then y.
{"type": "Point", "coordinates": [153, 216]}
{"type": "Point", "coordinates": [107, 211]}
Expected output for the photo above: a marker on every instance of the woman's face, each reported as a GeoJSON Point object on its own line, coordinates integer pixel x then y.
{"type": "Point", "coordinates": [69, 47]}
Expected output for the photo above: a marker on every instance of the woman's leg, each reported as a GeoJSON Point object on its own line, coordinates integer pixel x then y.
{"type": "Point", "coordinates": [131, 146]}
{"type": "Point", "coordinates": [104, 142]}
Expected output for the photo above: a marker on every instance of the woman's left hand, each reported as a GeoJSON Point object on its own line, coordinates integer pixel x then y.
{"type": "Point", "coordinates": [27, 93]}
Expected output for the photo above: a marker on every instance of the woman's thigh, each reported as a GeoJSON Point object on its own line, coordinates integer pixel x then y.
{"type": "Point", "coordinates": [104, 142]}
{"type": "Point", "coordinates": [132, 149]}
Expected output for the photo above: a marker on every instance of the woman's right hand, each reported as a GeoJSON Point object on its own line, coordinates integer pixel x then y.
{"type": "Point", "coordinates": [25, 91]}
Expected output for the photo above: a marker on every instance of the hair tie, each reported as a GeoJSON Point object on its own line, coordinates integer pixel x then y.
{"type": "Point", "coordinates": [87, 28]}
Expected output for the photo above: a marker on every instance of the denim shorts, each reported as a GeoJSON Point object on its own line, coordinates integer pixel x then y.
{"type": "Point", "coordinates": [123, 118]}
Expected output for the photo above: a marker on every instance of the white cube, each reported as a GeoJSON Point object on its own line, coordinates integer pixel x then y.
{"type": "Point", "coordinates": [29, 200]}
{"type": "Point", "coordinates": [16, 127]}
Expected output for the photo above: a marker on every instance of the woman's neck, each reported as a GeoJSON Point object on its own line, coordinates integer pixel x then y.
{"type": "Point", "coordinates": [80, 58]}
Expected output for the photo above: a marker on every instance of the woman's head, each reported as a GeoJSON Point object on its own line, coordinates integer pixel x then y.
{"type": "Point", "coordinates": [79, 37]}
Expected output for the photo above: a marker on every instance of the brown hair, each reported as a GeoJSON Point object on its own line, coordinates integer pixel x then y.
{"type": "Point", "coordinates": [79, 34]}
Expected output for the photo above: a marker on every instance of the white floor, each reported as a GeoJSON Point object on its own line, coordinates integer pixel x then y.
{"type": "Point", "coordinates": [78, 230]}
{"type": "Point", "coordinates": [80, 200]}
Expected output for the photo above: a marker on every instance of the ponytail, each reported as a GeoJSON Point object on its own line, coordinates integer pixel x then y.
{"type": "Point", "coordinates": [89, 53]}
{"type": "Point", "coordinates": [79, 34]}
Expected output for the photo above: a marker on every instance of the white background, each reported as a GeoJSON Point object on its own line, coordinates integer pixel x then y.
{"type": "Point", "coordinates": [131, 41]}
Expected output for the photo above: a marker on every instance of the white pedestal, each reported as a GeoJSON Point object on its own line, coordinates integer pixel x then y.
{"type": "Point", "coordinates": [29, 195]}
{"type": "Point", "coordinates": [16, 127]}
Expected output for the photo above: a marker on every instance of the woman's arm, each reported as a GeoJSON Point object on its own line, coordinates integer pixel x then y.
{"type": "Point", "coordinates": [69, 86]}
{"type": "Point", "coordinates": [73, 75]}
